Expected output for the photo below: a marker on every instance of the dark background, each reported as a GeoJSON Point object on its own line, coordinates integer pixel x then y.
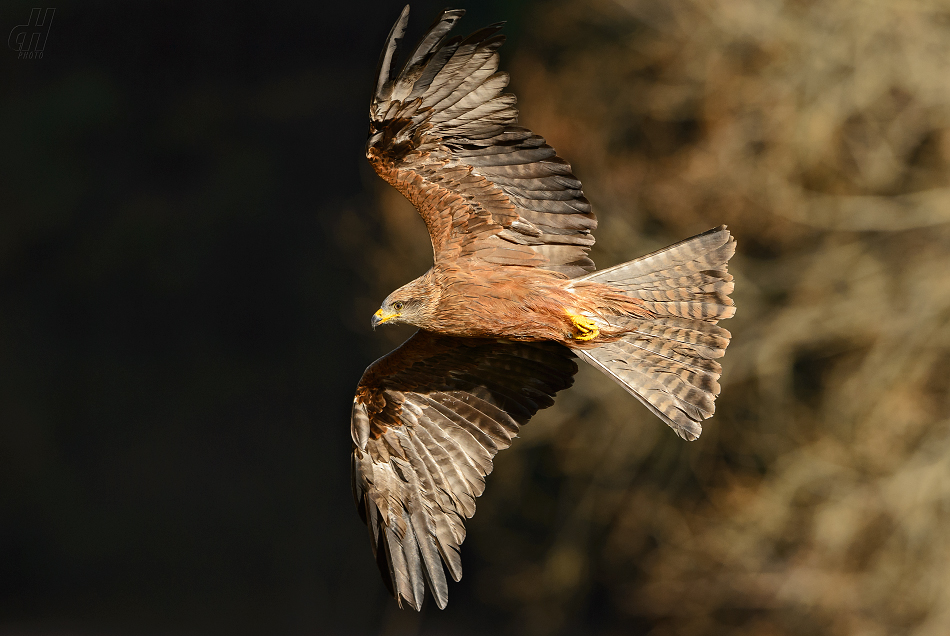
{"type": "Point", "coordinates": [178, 358]}
{"type": "Point", "coordinates": [192, 244]}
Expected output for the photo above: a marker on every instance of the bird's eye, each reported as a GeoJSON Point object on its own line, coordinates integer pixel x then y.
{"type": "Point", "coordinates": [398, 306]}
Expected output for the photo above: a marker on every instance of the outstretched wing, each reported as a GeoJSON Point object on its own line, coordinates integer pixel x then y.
{"type": "Point", "coordinates": [443, 133]}
{"type": "Point", "coordinates": [427, 420]}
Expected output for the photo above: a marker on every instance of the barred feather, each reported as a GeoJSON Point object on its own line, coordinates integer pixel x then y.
{"type": "Point", "coordinates": [669, 362]}
{"type": "Point", "coordinates": [427, 421]}
{"type": "Point", "coordinates": [446, 136]}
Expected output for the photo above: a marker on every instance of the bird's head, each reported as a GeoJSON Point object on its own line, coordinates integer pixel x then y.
{"type": "Point", "coordinates": [407, 305]}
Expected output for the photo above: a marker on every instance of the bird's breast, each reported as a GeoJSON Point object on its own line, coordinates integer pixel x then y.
{"type": "Point", "coordinates": [503, 305]}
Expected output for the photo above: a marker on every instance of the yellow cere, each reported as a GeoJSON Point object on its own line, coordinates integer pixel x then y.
{"type": "Point", "coordinates": [382, 316]}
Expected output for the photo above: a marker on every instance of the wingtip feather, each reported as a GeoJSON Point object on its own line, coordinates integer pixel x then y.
{"type": "Point", "coordinates": [384, 70]}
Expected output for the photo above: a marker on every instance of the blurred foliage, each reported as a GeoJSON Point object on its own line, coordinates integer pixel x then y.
{"type": "Point", "coordinates": [817, 499]}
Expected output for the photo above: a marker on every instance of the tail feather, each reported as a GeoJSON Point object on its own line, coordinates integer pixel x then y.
{"type": "Point", "coordinates": [661, 352]}
{"type": "Point", "coordinates": [706, 251]}
{"type": "Point", "coordinates": [669, 362]}
{"type": "Point", "coordinates": [685, 280]}
{"type": "Point", "coordinates": [706, 340]}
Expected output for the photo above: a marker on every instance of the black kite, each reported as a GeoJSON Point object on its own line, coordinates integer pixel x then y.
{"type": "Point", "coordinates": [511, 300]}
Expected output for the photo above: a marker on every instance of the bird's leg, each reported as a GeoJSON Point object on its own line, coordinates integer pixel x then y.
{"type": "Point", "coordinates": [586, 328]}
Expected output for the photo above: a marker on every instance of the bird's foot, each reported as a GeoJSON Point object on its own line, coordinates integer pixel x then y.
{"type": "Point", "coordinates": [586, 327]}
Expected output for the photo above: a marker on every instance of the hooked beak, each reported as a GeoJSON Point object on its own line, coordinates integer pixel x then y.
{"type": "Point", "coordinates": [380, 317]}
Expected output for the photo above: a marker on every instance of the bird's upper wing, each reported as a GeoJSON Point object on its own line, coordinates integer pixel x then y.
{"type": "Point", "coordinates": [443, 133]}
{"type": "Point", "coordinates": [427, 420]}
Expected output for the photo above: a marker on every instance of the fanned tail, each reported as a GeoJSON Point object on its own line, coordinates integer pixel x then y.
{"type": "Point", "coordinates": [669, 362]}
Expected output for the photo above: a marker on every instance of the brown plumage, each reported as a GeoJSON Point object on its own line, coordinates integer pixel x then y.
{"type": "Point", "coordinates": [471, 298]}
{"type": "Point", "coordinates": [511, 299]}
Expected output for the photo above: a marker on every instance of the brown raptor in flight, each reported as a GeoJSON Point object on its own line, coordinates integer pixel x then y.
{"type": "Point", "coordinates": [511, 301]}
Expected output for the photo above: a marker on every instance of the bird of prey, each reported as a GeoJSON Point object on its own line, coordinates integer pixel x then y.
{"type": "Point", "coordinates": [511, 301]}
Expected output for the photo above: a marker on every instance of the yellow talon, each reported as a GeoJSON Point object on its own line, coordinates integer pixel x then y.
{"type": "Point", "coordinates": [586, 328]}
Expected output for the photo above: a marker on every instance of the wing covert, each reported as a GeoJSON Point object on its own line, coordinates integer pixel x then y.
{"type": "Point", "coordinates": [445, 135]}
{"type": "Point", "coordinates": [427, 420]}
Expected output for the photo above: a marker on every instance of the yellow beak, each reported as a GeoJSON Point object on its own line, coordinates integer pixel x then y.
{"type": "Point", "coordinates": [381, 316]}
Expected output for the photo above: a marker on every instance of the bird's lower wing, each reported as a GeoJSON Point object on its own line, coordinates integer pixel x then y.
{"type": "Point", "coordinates": [427, 421]}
